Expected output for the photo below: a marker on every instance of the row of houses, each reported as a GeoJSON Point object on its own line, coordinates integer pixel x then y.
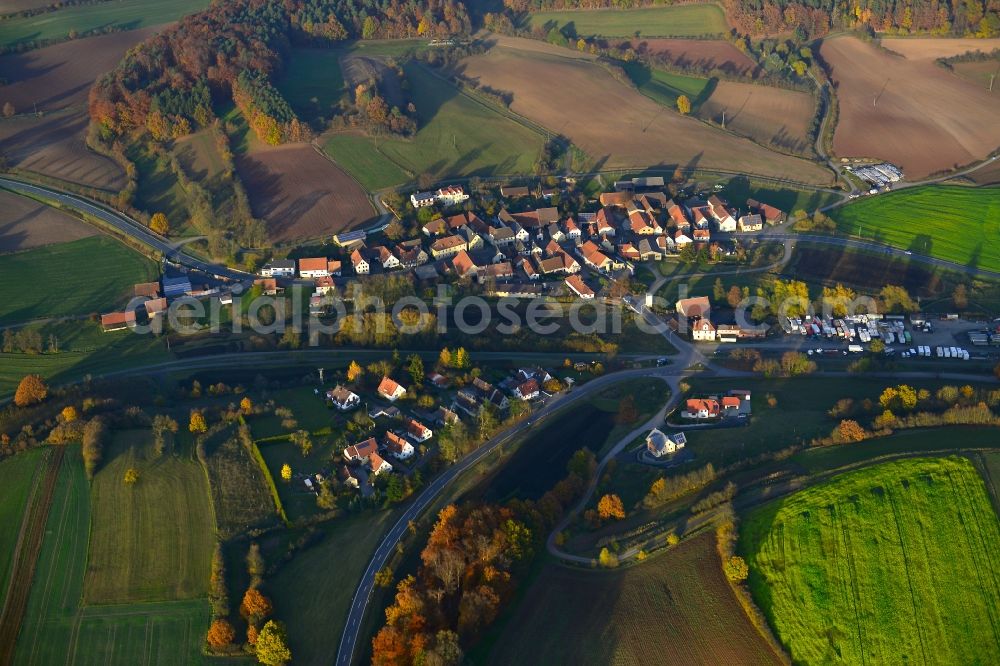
{"type": "Point", "coordinates": [697, 312]}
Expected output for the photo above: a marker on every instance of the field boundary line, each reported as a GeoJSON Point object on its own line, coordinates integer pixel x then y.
{"type": "Point", "coordinates": [25, 525]}
{"type": "Point", "coordinates": [26, 559]}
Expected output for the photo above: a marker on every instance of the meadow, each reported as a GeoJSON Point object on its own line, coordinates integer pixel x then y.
{"type": "Point", "coordinates": [19, 474]}
{"type": "Point", "coordinates": [120, 15]}
{"type": "Point", "coordinates": [957, 224]}
{"type": "Point", "coordinates": [674, 608]}
{"type": "Point", "coordinates": [78, 278]}
{"type": "Point", "coordinates": [665, 87]}
{"type": "Point", "coordinates": [152, 541]}
{"type": "Point", "coordinates": [58, 629]}
{"type": "Point", "coordinates": [457, 135]}
{"type": "Point", "coordinates": [851, 570]}
{"type": "Point", "coordinates": [679, 21]}
{"type": "Point", "coordinates": [240, 492]}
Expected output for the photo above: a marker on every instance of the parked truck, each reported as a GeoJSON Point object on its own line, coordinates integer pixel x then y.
{"type": "Point", "coordinates": [855, 349]}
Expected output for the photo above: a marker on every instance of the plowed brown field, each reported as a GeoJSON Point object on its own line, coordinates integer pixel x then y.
{"type": "Point", "coordinates": [614, 123]}
{"type": "Point", "coordinates": [932, 48]}
{"type": "Point", "coordinates": [302, 194]}
{"type": "Point", "coordinates": [771, 116]}
{"type": "Point", "coordinates": [908, 110]}
{"type": "Point", "coordinates": [25, 224]}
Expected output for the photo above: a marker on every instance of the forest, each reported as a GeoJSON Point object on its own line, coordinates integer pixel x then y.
{"type": "Point", "coordinates": [232, 51]}
{"type": "Point", "coordinates": [816, 17]}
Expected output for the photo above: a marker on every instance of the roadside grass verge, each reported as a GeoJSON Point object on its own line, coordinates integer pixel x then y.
{"type": "Point", "coordinates": [851, 569]}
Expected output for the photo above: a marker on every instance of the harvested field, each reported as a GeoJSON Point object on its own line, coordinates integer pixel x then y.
{"type": "Point", "coordinates": [694, 20]}
{"type": "Point", "coordinates": [771, 116]}
{"type": "Point", "coordinates": [910, 112]}
{"type": "Point", "coordinates": [557, 90]}
{"type": "Point", "coordinates": [988, 175]}
{"type": "Point", "coordinates": [702, 53]}
{"type": "Point", "coordinates": [59, 76]}
{"type": "Point", "coordinates": [55, 146]}
{"type": "Point", "coordinates": [675, 608]}
{"type": "Point", "coordinates": [850, 571]}
{"type": "Point", "coordinates": [932, 48]}
{"type": "Point", "coordinates": [302, 194]}
{"type": "Point", "coordinates": [25, 223]}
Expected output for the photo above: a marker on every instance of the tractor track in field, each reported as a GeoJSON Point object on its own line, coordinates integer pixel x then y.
{"type": "Point", "coordinates": [26, 558]}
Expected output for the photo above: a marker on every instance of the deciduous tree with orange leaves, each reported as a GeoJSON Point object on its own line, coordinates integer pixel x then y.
{"type": "Point", "coordinates": [30, 391]}
{"type": "Point", "coordinates": [220, 634]}
{"type": "Point", "coordinates": [610, 506]}
{"type": "Point", "coordinates": [255, 606]}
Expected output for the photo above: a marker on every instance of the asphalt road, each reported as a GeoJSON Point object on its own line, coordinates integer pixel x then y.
{"type": "Point", "coordinates": [125, 225]}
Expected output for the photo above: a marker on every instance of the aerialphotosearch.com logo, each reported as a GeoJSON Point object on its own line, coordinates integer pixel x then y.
{"type": "Point", "coordinates": [471, 314]}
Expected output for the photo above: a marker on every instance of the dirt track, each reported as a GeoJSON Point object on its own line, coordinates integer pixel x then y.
{"type": "Point", "coordinates": [910, 112]}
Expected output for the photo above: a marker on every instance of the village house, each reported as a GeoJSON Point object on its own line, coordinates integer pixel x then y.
{"type": "Point", "coordinates": [278, 268]}
{"type": "Point", "coordinates": [448, 246]}
{"type": "Point", "coordinates": [723, 218]}
{"type": "Point", "coordinates": [605, 222]}
{"type": "Point", "coordinates": [463, 265]}
{"type": "Point", "coordinates": [378, 465]}
{"type": "Point", "coordinates": [390, 390]}
{"type": "Point", "coordinates": [681, 240]}
{"type": "Point", "coordinates": [571, 229]}
{"type": "Point", "coordinates": [117, 321]}
{"type": "Point", "coordinates": [451, 195]}
{"type": "Point", "coordinates": [750, 222]}
{"type": "Point", "coordinates": [649, 250]}
{"type": "Point", "coordinates": [334, 267]}
{"type": "Point", "coordinates": [701, 217]}
{"type": "Point", "coordinates": [501, 271]}
{"type": "Point", "coordinates": [155, 307]}
{"type": "Point", "coordinates": [268, 286]}
{"type": "Point", "coordinates": [579, 287]}
{"type": "Point", "coordinates": [701, 408]}
{"type": "Point", "coordinates": [348, 477]}
{"type": "Point", "coordinates": [694, 307]}
{"type": "Point", "coordinates": [385, 257]}
{"type": "Point", "coordinates": [701, 235]}
{"type": "Point", "coordinates": [593, 257]}
{"type": "Point", "coordinates": [146, 290]}
{"type": "Point", "coordinates": [703, 331]}
{"type": "Point", "coordinates": [360, 264]}
{"type": "Point", "coordinates": [446, 417]}
{"type": "Point", "coordinates": [343, 398]}
{"type": "Point", "coordinates": [643, 224]}
{"type": "Point", "coordinates": [398, 447]}
{"type": "Point", "coordinates": [361, 451]}
{"type": "Point", "coordinates": [324, 285]}
{"type": "Point", "coordinates": [313, 267]}
{"type": "Point", "coordinates": [410, 256]}
{"type": "Point", "coordinates": [514, 192]}
{"type": "Point", "coordinates": [678, 216]}
{"type": "Point", "coordinates": [770, 214]}
{"type": "Point", "coordinates": [418, 431]}
{"type": "Point", "coordinates": [660, 444]}
{"type": "Point", "coordinates": [422, 199]}
{"type": "Point", "coordinates": [527, 390]}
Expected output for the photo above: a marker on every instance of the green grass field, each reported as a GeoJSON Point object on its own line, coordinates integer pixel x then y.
{"type": "Point", "coordinates": [314, 590]}
{"type": "Point", "coordinates": [890, 564]}
{"type": "Point", "coordinates": [457, 136]}
{"type": "Point", "coordinates": [84, 349]}
{"type": "Point", "coordinates": [313, 74]}
{"type": "Point", "coordinates": [679, 21]}
{"type": "Point", "coordinates": [89, 275]}
{"type": "Point", "coordinates": [18, 474]}
{"type": "Point", "coordinates": [665, 87]}
{"type": "Point", "coordinates": [58, 629]}
{"type": "Point", "coordinates": [737, 190]}
{"type": "Point", "coordinates": [958, 224]}
{"type": "Point", "coordinates": [239, 490]}
{"type": "Point", "coordinates": [120, 14]}
{"type": "Point", "coordinates": [152, 541]}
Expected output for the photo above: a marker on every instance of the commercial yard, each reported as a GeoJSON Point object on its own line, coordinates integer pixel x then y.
{"type": "Point", "coordinates": [851, 570]}
{"type": "Point", "coordinates": [57, 629]}
{"type": "Point", "coordinates": [152, 541]}
{"type": "Point", "coordinates": [457, 136]}
{"type": "Point", "coordinates": [908, 110]}
{"type": "Point", "coordinates": [101, 271]}
{"type": "Point", "coordinates": [770, 116]}
{"type": "Point", "coordinates": [25, 224]}
{"type": "Point", "coordinates": [680, 21]}
{"type": "Point", "coordinates": [674, 608]}
{"type": "Point", "coordinates": [958, 224]}
{"type": "Point", "coordinates": [122, 15]}
{"type": "Point", "coordinates": [558, 89]}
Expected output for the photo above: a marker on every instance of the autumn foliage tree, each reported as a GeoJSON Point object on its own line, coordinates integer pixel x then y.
{"type": "Point", "coordinates": [30, 391]}
{"type": "Point", "coordinates": [683, 105]}
{"type": "Point", "coordinates": [271, 647]}
{"type": "Point", "coordinates": [159, 224]}
{"type": "Point", "coordinates": [220, 634]}
{"type": "Point", "coordinates": [196, 423]}
{"type": "Point", "coordinates": [850, 430]}
{"type": "Point", "coordinates": [255, 606]}
{"type": "Point", "coordinates": [610, 506]}
{"type": "Point", "coordinates": [94, 435]}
